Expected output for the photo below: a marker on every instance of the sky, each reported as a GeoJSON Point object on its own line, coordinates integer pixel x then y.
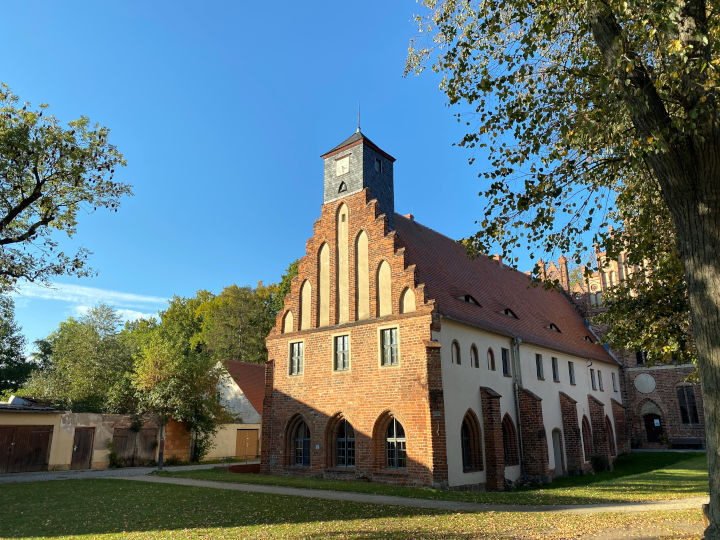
{"type": "Point", "coordinates": [222, 110]}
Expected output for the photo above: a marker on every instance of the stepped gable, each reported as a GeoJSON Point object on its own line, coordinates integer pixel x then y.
{"type": "Point", "coordinates": [444, 267]}
{"type": "Point", "coordinates": [364, 215]}
{"type": "Point", "coordinates": [251, 380]}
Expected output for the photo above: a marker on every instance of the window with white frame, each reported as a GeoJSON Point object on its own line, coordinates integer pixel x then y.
{"type": "Point", "coordinates": [296, 358]}
{"type": "Point", "coordinates": [539, 367]}
{"type": "Point", "coordinates": [505, 354]}
{"type": "Point", "coordinates": [342, 353]}
{"type": "Point", "coordinates": [389, 346]}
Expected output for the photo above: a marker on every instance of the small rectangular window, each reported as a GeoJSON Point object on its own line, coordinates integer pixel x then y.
{"type": "Point", "coordinates": [592, 379]}
{"type": "Point", "coordinates": [614, 381]}
{"type": "Point", "coordinates": [539, 367]}
{"type": "Point", "coordinates": [342, 353]}
{"type": "Point", "coordinates": [571, 372]}
{"type": "Point", "coordinates": [389, 348]}
{"type": "Point", "coordinates": [556, 373]}
{"type": "Point", "coordinates": [505, 361]}
{"type": "Point", "coordinates": [600, 383]}
{"type": "Point", "coordinates": [296, 358]}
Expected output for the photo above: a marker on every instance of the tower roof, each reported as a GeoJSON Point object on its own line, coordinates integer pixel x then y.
{"type": "Point", "coordinates": [357, 138]}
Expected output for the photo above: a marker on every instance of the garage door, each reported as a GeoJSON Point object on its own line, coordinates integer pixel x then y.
{"type": "Point", "coordinates": [24, 448]}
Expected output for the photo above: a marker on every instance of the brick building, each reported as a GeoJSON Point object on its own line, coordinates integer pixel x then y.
{"type": "Point", "coordinates": [664, 402]}
{"type": "Point", "coordinates": [398, 359]}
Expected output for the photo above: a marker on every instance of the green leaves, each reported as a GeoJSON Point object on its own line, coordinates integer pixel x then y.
{"type": "Point", "coordinates": [48, 173]}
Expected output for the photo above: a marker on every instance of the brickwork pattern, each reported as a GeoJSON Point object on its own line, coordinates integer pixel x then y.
{"type": "Point", "coordinates": [571, 431]}
{"type": "Point", "coordinates": [534, 437]}
{"type": "Point", "coordinates": [665, 398]}
{"type": "Point", "coordinates": [367, 394]}
{"type": "Point", "coordinates": [622, 441]}
{"type": "Point", "coordinates": [494, 454]}
{"type": "Point", "coordinates": [601, 445]}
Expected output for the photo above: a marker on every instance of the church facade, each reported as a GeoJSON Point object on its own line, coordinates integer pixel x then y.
{"type": "Point", "coordinates": [398, 359]}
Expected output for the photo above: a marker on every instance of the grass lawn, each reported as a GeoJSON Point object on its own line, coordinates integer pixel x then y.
{"type": "Point", "coordinates": [637, 477]}
{"type": "Point", "coordinates": [127, 509]}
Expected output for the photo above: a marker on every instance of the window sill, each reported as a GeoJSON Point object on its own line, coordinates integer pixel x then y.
{"type": "Point", "coordinates": [556, 380]}
{"type": "Point", "coordinates": [508, 376]}
{"type": "Point", "coordinates": [541, 378]}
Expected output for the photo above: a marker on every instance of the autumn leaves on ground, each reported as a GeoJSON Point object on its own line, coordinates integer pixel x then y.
{"type": "Point", "coordinates": [108, 507]}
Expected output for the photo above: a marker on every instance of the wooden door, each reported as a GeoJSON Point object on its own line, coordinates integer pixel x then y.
{"type": "Point", "coordinates": [82, 448]}
{"type": "Point", "coordinates": [653, 427]}
{"type": "Point", "coordinates": [246, 444]}
{"type": "Point", "coordinates": [6, 439]}
{"type": "Point", "coordinates": [25, 448]}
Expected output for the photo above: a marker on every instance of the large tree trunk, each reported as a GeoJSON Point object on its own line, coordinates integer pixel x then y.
{"type": "Point", "coordinates": [696, 212]}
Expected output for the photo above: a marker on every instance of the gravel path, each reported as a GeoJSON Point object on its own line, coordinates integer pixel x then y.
{"type": "Point", "coordinates": [99, 473]}
{"type": "Point", "coordinates": [453, 506]}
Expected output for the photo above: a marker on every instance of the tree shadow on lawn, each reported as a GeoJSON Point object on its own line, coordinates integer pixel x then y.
{"type": "Point", "coordinates": [104, 506]}
{"type": "Point", "coordinates": [673, 480]}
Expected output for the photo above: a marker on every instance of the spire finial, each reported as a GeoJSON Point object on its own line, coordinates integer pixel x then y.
{"type": "Point", "coordinates": [358, 128]}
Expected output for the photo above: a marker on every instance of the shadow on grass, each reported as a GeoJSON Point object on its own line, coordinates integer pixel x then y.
{"type": "Point", "coordinates": [637, 477]}
{"type": "Point", "coordinates": [90, 507]}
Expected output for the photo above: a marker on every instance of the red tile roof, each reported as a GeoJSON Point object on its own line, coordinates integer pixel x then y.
{"type": "Point", "coordinates": [251, 380]}
{"type": "Point", "coordinates": [448, 274]}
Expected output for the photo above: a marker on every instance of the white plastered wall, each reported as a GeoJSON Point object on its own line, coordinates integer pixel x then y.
{"type": "Point", "coordinates": [461, 389]}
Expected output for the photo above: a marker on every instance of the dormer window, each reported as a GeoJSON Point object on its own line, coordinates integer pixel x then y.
{"type": "Point", "coordinates": [554, 328]}
{"type": "Point", "coordinates": [342, 165]}
{"type": "Point", "coordinates": [509, 313]}
{"type": "Point", "coordinates": [588, 339]}
{"type": "Point", "coordinates": [469, 299]}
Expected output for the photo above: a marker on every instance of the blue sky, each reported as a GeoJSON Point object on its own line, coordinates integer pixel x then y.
{"type": "Point", "coordinates": [222, 110]}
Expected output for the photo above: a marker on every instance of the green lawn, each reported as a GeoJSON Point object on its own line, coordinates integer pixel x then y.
{"type": "Point", "coordinates": [637, 477]}
{"type": "Point", "coordinates": [127, 509]}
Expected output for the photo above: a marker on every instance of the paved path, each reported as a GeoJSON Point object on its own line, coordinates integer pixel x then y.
{"type": "Point", "coordinates": [101, 473]}
{"type": "Point", "coordinates": [453, 506]}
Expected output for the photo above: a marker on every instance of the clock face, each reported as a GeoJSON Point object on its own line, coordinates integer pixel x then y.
{"type": "Point", "coordinates": [342, 166]}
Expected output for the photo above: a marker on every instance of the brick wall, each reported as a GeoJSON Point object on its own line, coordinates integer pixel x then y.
{"type": "Point", "coordinates": [367, 395]}
{"type": "Point", "coordinates": [494, 455]}
{"type": "Point", "coordinates": [622, 439]}
{"type": "Point", "coordinates": [534, 437]}
{"type": "Point", "coordinates": [601, 445]}
{"type": "Point", "coordinates": [571, 431]}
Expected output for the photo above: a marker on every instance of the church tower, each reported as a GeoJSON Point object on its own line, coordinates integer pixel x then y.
{"type": "Point", "coordinates": [358, 163]}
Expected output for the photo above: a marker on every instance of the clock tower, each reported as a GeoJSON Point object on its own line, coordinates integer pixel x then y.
{"type": "Point", "coordinates": [358, 163]}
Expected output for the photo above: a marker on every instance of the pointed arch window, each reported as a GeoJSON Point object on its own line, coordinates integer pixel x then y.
{"type": "Point", "coordinates": [301, 445]}
{"type": "Point", "coordinates": [491, 359]}
{"type": "Point", "coordinates": [510, 447]}
{"type": "Point", "coordinates": [474, 358]}
{"type": "Point", "coordinates": [396, 457]}
{"type": "Point", "coordinates": [345, 445]}
{"type": "Point", "coordinates": [455, 353]}
{"type": "Point", "coordinates": [470, 443]}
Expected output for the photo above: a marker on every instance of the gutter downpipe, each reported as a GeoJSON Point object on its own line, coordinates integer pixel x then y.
{"type": "Point", "coordinates": [517, 383]}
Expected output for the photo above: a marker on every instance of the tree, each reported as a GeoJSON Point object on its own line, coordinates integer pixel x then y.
{"type": "Point", "coordinates": [89, 365]}
{"type": "Point", "coordinates": [48, 174]}
{"type": "Point", "coordinates": [14, 367]}
{"type": "Point", "coordinates": [587, 106]}
{"type": "Point", "coordinates": [177, 378]}
{"type": "Point", "coordinates": [235, 323]}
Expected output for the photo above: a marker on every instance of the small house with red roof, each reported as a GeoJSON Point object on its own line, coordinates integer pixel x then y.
{"type": "Point", "coordinates": [399, 359]}
{"type": "Point", "coordinates": [242, 390]}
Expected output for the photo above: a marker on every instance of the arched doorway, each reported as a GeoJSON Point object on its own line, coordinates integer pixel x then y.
{"type": "Point", "coordinates": [652, 421]}
{"type": "Point", "coordinates": [558, 453]}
